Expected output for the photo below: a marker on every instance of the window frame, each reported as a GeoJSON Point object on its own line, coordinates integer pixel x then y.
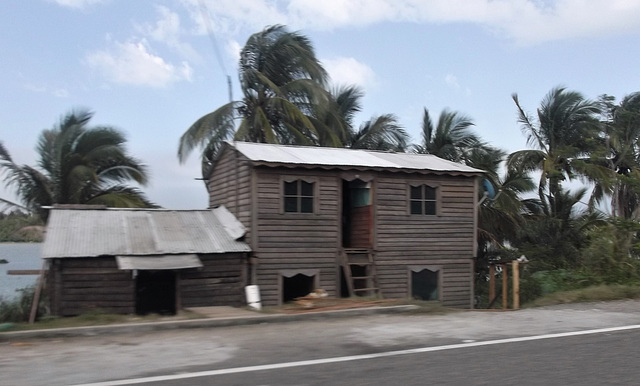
{"type": "Point", "coordinates": [314, 190]}
{"type": "Point", "coordinates": [437, 201]}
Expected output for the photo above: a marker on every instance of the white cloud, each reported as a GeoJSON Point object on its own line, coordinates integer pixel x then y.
{"type": "Point", "coordinates": [167, 30]}
{"type": "Point", "coordinates": [61, 93]}
{"type": "Point", "coordinates": [349, 71]}
{"type": "Point", "coordinates": [452, 81]}
{"type": "Point", "coordinates": [41, 89]}
{"type": "Point", "coordinates": [233, 49]}
{"type": "Point", "coordinates": [35, 88]}
{"type": "Point", "coordinates": [132, 63]}
{"type": "Point", "coordinates": [230, 16]}
{"type": "Point", "coordinates": [77, 4]}
{"type": "Point", "coordinates": [524, 21]}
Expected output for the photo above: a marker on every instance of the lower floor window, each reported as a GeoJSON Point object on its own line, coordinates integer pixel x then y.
{"type": "Point", "coordinates": [296, 284]}
{"type": "Point", "coordinates": [424, 284]}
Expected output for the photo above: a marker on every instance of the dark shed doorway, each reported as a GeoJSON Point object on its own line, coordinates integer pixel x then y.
{"type": "Point", "coordinates": [156, 292]}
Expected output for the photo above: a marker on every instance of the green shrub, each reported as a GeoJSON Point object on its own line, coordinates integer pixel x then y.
{"type": "Point", "coordinates": [19, 309]}
{"type": "Point", "coordinates": [564, 280]}
{"type": "Point", "coordinates": [590, 294]}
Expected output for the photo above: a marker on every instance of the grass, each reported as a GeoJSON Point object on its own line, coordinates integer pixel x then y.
{"type": "Point", "coordinates": [96, 318]}
{"type": "Point", "coordinates": [598, 293]}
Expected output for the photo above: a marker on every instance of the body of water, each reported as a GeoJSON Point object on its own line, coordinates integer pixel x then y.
{"type": "Point", "coordinates": [19, 256]}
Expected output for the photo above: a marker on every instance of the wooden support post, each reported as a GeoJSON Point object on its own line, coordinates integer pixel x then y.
{"type": "Point", "coordinates": [515, 265]}
{"type": "Point", "coordinates": [492, 282]}
{"type": "Point", "coordinates": [36, 295]}
{"type": "Point", "coordinates": [178, 292]}
{"type": "Point", "coordinates": [505, 286]}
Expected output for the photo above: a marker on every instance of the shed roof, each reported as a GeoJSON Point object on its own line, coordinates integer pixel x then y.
{"type": "Point", "coordinates": [329, 157]}
{"type": "Point", "coordinates": [141, 232]}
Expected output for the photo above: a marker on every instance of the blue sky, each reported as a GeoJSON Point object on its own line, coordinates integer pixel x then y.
{"type": "Point", "coordinates": [150, 69]}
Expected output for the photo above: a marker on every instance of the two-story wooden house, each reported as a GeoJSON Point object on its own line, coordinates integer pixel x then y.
{"type": "Point", "coordinates": [352, 222]}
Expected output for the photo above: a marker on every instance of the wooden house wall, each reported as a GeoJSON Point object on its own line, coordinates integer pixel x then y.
{"type": "Point", "coordinates": [445, 241]}
{"type": "Point", "coordinates": [296, 241]}
{"type": "Point", "coordinates": [220, 282]}
{"type": "Point", "coordinates": [78, 285]}
{"type": "Point", "coordinates": [230, 185]}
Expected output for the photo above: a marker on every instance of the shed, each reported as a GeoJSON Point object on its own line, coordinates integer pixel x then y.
{"type": "Point", "coordinates": [143, 261]}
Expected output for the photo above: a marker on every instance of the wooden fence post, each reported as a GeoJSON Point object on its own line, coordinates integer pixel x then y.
{"type": "Point", "coordinates": [515, 266]}
{"type": "Point", "coordinates": [492, 282]}
{"type": "Point", "coordinates": [505, 286]}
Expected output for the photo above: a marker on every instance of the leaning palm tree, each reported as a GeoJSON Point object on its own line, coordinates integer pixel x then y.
{"type": "Point", "coordinates": [77, 165]}
{"type": "Point", "coordinates": [334, 120]}
{"type": "Point", "coordinates": [282, 84]}
{"type": "Point", "coordinates": [564, 133]}
{"type": "Point", "coordinates": [451, 138]}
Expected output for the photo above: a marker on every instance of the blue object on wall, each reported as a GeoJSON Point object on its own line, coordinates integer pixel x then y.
{"type": "Point", "coordinates": [488, 188]}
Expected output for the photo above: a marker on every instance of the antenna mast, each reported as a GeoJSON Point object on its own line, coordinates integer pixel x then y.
{"type": "Point", "coordinates": [207, 21]}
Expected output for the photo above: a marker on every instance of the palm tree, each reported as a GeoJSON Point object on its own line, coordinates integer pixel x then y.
{"type": "Point", "coordinates": [379, 133]}
{"type": "Point", "coordinates": [553, 236]}
{"type": "Point", "coordinates": [450, 139]}
{"type": "Point", "coordinates": [621, 156]}
{"type": "Point", "coordinates": [282, 84]}
{"type": "Point", "coordinates": [77, 165]}
{"type": "Point", "coordinates": [500, 214]}
{"type": "Point", "coordinates": [564, 133]}
{"type": "Point", "coordinates": [337, 122]}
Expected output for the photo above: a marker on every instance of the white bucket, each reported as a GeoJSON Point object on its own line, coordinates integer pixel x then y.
{"type": "Point", "coordinates": [253, 296]}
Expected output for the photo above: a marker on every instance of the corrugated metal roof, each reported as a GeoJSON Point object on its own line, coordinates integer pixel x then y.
{"type": "Point", "coordinates": [347, 158]}
{"type": "Point", "coordinates": [127, 232]}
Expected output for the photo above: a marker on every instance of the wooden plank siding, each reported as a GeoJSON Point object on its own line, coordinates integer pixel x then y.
{"type": "Point", "coordinates": [80, 285]}
{"type": "Point", "coordinates": [230, 185]}
{"type": "Point", "coordinates": [445, 240]}
{"type": "Point", "coordinates": [296, 241]}
{"type": "Point", "coordinates": [219, 282]}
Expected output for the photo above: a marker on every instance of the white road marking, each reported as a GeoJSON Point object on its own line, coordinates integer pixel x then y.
{"type": "Point", "coordinates": [247, 369]}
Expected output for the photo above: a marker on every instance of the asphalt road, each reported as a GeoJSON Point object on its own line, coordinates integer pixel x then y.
{"type": "Point", "coordinates": [599, 359]}
{"type": "Point", "coordinates": [368, 350]}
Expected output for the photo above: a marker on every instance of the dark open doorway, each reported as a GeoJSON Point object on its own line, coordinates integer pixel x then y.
{"type": "Point", "coordinates": [297, 286]}
{"type": "Point", "coordinates": [156, 292]}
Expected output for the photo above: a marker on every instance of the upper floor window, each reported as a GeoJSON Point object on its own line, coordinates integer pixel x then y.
{"type": "Point", "coordinates": [298, 196]}
{"type": "Point", "coordinates": [423, 200]}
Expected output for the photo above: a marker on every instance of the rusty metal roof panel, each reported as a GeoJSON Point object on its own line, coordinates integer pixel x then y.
{"type": "Point", "coordinates": [346, 158]}
{"type": "Point", "coordinates": [87, 233]}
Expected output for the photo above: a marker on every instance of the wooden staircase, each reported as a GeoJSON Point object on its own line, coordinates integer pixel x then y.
{"type": "Point", "coordinates": [360, 272]}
